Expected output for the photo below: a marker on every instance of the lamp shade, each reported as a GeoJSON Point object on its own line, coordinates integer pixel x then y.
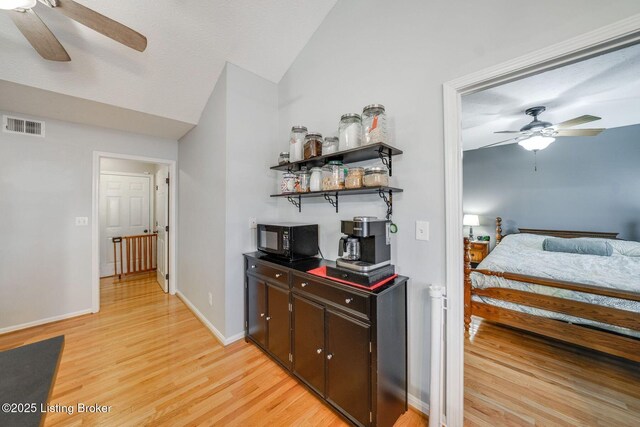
{"type": "Point", "coordinates": [537, 142]}
{"type": "Point", "coordinates": [471, 220]}
{"type": "Point", "coordinates": [17, 4]}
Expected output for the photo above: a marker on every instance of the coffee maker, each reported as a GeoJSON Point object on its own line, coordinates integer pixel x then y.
{"type": "Point", "coordinates": [365, 251]}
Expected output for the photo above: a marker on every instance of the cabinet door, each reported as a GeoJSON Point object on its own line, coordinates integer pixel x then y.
{"type": "Point", "coordinates": [308, 342]}
{"type": "Point", "coordinates": [257, 310]}
{"type": "Point", "coordinates": [278, 330]}
{"type": "Point", "coordinates": [348, 366]}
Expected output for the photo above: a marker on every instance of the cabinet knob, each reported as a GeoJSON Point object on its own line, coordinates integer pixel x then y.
{"type": "Point", "coordinates": [253, 266]}
{"type": "Point", "coordinates": [268, 317]}
{"type": "Point", "coordinates": [261, 314]}
{"type": "Point", "coordinates": [278, 275]}
{"type": "Point", "coordinates": [329, 356]}
{"type": "Point", "coordinates": [319, 351]}
{"type": "Point", "coordinates": [348, 300]}
{"type": "Point", "coordinates": [303, 284]}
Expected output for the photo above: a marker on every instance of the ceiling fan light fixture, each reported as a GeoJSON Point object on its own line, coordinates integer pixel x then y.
{"type": "Point", "coordinates": [537, 142]}
{"type": "Point", "coordinates": [17, 4]}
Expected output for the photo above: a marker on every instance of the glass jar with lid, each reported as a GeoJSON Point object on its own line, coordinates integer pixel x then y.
{"type": "Point", "coordinates": [302, 180]}
{"type": "Point", "coordinates": [374, 124]}
{"type": "Point", "coordinates": [315, 182]}
{"type": "Point", "coordinates": [296, 142]}
{"type": "Point", "coordinates": [354, 177]}
{"type": "Point", "coordinates": [376, 176]}
{"type": "Point", "coordinates": [288, 183]}
{"type": "Point", "coordinates": [333, 176]}
{"type": "Point", "coordinates": [350, 131]}
{"type": "Point", "coordinates": [330, 145]}
{"type": "Point", "coordinates": [312, 145]}
{"type": "Point", "coordinates": [283, 158]}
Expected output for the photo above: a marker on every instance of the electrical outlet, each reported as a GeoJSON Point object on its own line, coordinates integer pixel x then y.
{"type": "Point", "coordinates": [210, 299]}
{"type": "Point", "coordinates": [253, 223]}
{"type": "Point", "coordinates": [422, 230]}
{"type": "Point", "coordinates": [82, 220]}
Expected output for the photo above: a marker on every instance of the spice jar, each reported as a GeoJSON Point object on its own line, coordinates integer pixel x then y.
{"type": "Point", "coordinates": [374, 124]}
{"type": "Point", "coordinates": [283, 158]}
{"type": "Point", "coordinates": [296, 140]}
{"type": "Point", "coordinates": [288, 183]}
{"type": "Point", "coordinates": [312, 145]}
{"type": "Point", "coordinates": [376, 176]}
{"type": "Point", "coordinates": [315, 182]}
{"type": "Point", "coordinates": [333, 176]}
{"type": "Point", "coordinates": [302, 180]}
{"type": "Point", "coordinates": [330, 145]}
{"type": "Point", "coordinates": [354, 177]}
{"type": "Point", "coordinates": [350, 131]}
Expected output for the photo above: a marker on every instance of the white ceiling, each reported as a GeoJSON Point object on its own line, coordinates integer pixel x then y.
{"type": "Point", "coordinates": [189, 42]}
{"type": "Point", "coordinates": [606, 86]}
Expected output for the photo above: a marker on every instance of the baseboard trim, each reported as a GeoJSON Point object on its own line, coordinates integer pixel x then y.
{"type": "Point", "coordinates": [216, 333]}
{"type": "Point", "coordinates": [418, 404]}
{"type": "Point", "coordinates": [44, 321]}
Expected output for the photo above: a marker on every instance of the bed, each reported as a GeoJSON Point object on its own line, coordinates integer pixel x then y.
{"type": "Point", "coordinates": [586, 300]}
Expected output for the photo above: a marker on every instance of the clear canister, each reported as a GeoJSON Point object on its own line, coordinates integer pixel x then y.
{"type": "Point", "coordinates": [376, 176]}
{"type": "Point", "coordinates": [303, 180]}
{"type": "Point", "coordinates": [283, 158]}
{"type": "Point", "coordinates": [330, 145]}
{"type": "Point", "coordinates": [350, 131]}
{"type": "Point", "coordinates": [374, 124]}
{"type": "Point", "coordinates": [288, 183]}
{"type": "Point", "coordinates": [333, 176]}
{"type": "Point", "coordinates": [315, 182]}
{"type": "Point", "coordinates": [296, 142]}
{"type": "Point", "coordinates": [312, 145]}
{"type": "Point", "coordinates": [354, 178]}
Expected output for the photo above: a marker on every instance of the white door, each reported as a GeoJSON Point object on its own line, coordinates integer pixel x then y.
{"type": "Point", "coordinates": [124, 211]}
{"type": "Point", "coordinates": [162, 222]}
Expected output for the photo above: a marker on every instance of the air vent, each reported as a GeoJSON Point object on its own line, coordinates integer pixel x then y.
{"type": "Point", "coordinates": [23, 126]}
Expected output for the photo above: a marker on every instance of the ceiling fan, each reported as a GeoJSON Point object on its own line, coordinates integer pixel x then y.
{"type": "Point", "coordinates": [538, 134]}
{"type": "Point", "coordinates": [47, 45]}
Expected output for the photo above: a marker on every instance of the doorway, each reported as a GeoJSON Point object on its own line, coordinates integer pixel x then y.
{"type": "Point", "coordinates": [133, 220]}
{"type": "Point", "coordinates": [615, 36]}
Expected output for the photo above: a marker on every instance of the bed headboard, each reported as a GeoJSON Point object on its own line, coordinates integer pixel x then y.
{"type": "Point", "coordinates": [556, 233]}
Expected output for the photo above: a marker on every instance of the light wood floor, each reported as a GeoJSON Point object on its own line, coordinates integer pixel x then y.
{"type": "Point", "coordinates": [516, 379]}
{"type": "Point", "coordinates": [146, 355]}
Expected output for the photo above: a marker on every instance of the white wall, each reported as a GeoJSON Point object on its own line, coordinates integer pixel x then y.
{"type": "Point", "coordinates": [127, 166]}
{"type": "Point", "coordinates": [399, 54]}
{"type": "Point", "coordinates": [45, 260]}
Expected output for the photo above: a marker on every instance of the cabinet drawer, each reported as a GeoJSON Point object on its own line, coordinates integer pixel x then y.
{"type": "Point", "coordinates": [476, 256]}
{"type": "Point", "coordinates": [337, 296]}
{"type": "Point", "coordinates": [268, 271]}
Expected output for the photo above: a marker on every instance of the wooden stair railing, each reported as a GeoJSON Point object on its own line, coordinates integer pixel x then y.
{"type": "Point", "coordinates": [139, 252]}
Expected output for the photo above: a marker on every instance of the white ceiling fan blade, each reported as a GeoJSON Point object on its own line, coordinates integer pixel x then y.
{"type": "Point", "coordinates": [508, 131]}
{"type": "Point", "coordinates": [578, 132]}
{"type": "Point", "coordinates": [497, 143]}
{"type": "Point", "coordinates": [577, 121]}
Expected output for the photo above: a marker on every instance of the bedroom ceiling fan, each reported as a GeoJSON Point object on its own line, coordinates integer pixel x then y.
{"type": "Point", "coordinates": [47, 45]}
{"type": "Point", "coordinates": [538, 134]}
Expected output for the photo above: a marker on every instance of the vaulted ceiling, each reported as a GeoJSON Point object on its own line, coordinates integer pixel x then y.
{"type": "Point", "coordinates": [606, 86]}
{"type": "Point", "coordinates": [189, 42]}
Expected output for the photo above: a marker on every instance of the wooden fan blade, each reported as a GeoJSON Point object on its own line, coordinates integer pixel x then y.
{"type": "Point", "coordinates": [102, 24]}
{"type": "Point", "coordinates": [508, 131]}
{"type": "Point", "coordinates": [577, 121]}
{"type": "Point", "coordinates": [497, 143]}
{"type": "Point", "coordinates": [579, 132]}
{"type": "Point", "coordinates": [39, 35]}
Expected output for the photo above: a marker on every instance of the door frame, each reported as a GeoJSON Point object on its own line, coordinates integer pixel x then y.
{"type": "Point", "coordinates": [614, 36]}
{"type": "Point", "coordinates": [151, 195]}
{"type": "Point", "coordinates": [95, 218]}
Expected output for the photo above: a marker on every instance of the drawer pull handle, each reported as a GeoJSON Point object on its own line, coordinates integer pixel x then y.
{"type": "Point", "coordinates": [253, 266]}
{"type": "Point", "coordinates": [278, 275]}
{"type": "Point", "coordinates": [319, 351]}
{"type": "Point", "coordinates": [348, 300]}
{"type": "Point", "coordinates": [261, 314]}
{"type": "Point", "coordinates": [303, 284]}
{"type": "Point", "coordinates": [329, 356]}
{"type": "Point", "coordinates": [268, 317]}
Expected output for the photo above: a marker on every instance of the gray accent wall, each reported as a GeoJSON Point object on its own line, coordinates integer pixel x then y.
{"type": "Point", "coordinates": [582, 183]}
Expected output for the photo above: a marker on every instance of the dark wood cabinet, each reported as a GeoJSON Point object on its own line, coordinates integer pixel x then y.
{"type": "Point", "coordinates": [348, 345]}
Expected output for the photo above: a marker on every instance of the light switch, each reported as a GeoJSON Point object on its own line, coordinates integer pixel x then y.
{"type": "Point", "coordinates": [422, 230]}
{"type": "Point", "coordinates": [82, 220]}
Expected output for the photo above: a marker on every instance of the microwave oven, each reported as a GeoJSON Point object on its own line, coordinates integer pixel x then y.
{"type": "Point", "coordinates": [288, 240]}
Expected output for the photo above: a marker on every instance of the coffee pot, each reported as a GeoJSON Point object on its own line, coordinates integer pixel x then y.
{"type": "Point", "coordinates": [349, 248]}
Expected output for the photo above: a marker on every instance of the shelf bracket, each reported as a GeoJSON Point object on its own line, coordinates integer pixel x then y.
{"type": "Point", "coordinates": [386, 158]}
{"type": "Point", "coordinates": [334, 203]}
{"type": "Point", "coordinates": [296, 203]}
{"type": "Point", "coordinates": [388, 201]}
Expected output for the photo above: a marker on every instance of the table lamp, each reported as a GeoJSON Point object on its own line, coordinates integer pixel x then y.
{"type": "Point", "coordinates": [471, 221]}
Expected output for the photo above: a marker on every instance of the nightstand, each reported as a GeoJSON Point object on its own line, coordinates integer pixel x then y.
{"type": "Point", "coordinates": [478, 251]}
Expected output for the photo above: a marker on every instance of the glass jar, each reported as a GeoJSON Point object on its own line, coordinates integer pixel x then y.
{"type": "Point", "coordinates": [374, 124]}
{"type": "Point", "coordinates": [333, 176]}
{"type": "Point", "coordinates": [330, 145]}
{"type": "Point", "coordinates": [354, 177]}
{"type": "Point", "coordinates": [350, 131]}
{"type": "Point", "coordinates": [296, 141]}
{"type": "Point", "coordinates": [302, 180]}
{"type": "Point", "coordinates": [312, 145]}
{"type": "Point", "coordinates": [315, 182]}
{"type": "Point", "coordinates": [376, 176]}
{"type": "Point", "coordinates": [288, 183]}
{"type": "Point", "coordinates": [283, 158]}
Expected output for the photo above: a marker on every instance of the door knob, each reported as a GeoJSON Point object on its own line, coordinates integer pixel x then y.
{"type": "Point", "coordinates": [146, 231]}
{"type": "Point", "coordinates": [268, 318]}
{"type": "Point", "coordinates": [319, 351]}
{"type": "Point", "coordinates": [253, 266]}
{"type": "Point", "coordinates": [348, 300]}
{"type": "Point", "coordinates": [303, 284]}
{"type": "Point", "coordinates": [329, 356]}
{"type": "Point", "coordinates": [261, 314]}
{"type": "Point", "coordinates": [278, 275]}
